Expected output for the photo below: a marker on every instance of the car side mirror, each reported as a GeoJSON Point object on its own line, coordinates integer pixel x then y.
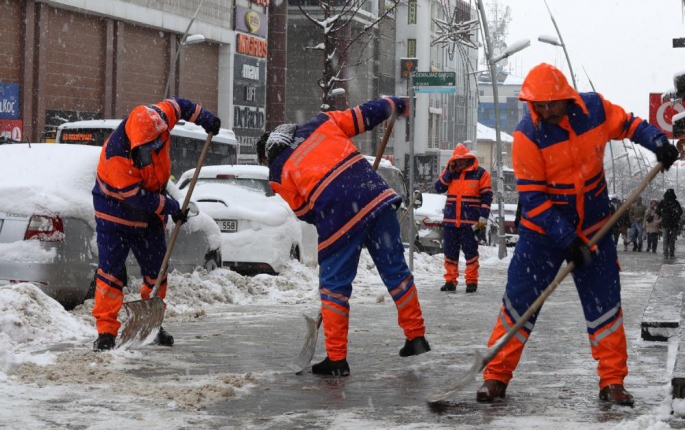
{"type": "Point", "coordinates": [418, 199]}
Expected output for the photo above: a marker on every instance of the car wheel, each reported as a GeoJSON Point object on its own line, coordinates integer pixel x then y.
{"type": "Point", "coordinates": [212, 261]}
{"type": "Point", "coordinates": [418, 247]}
{"type": "Point", "coordinates": [295, 253]}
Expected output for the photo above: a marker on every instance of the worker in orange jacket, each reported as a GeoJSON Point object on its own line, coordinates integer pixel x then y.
{"type": "Point", "coordinates": [558, 156]}
{"type": "Point", "coordinates": [469, 195]}
{"type": "Point", "coordinates": [131, 207]}
{"type": "Point", "coordinates": [317, 169]}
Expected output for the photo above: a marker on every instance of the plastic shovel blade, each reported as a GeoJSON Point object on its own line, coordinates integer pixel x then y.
{"type": "Point", "coordinates": [307, 352]}
{"type": "Point", "coordinates": [143, 320]}
{"type": "Point", "coordinates": [463, 381]}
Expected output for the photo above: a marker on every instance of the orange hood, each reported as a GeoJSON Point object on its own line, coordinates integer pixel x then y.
{"type": "Point", "coordinates": [144, 125]}
{"type": "Point", "coordinates": [461, 152]}
{"type": "Point", "coordinates": [546, 83]}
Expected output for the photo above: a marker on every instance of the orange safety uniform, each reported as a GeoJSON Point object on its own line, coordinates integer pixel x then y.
{"type": "Point", "coordinates": [563, 193]}
{"type": "Point", "coordinates": [131, 204]}
{"type": "Point", "coordinates": [469, 195]}
{"type": "Point", "coordinates": [328, 183]}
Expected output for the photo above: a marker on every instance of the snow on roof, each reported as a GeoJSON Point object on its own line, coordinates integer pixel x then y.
{"type": "Point", "coordinates": [487, 133]}
{"type": "Point", "coordinates": [241, 171]}
{"type": "Point", "coordinates": [182, 128]}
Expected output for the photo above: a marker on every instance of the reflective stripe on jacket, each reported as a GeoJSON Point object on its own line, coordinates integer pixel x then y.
{"type": "Point", "coordinates": [326, 181]}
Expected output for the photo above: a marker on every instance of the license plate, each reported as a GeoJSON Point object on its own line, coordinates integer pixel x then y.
{"type": "Point", "coordinates": [228, 226]}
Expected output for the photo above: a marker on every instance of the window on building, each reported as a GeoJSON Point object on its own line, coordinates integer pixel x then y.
{"type": "Point", "coordinates": [411, 15]}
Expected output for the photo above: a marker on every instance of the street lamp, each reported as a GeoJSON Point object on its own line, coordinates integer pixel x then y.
{"type": "Point", "coordinates": [553, 41]}
{"type": "Point", "coordinates": [515, 47]}
{"type": "Point", "coordinates": [187, 40]}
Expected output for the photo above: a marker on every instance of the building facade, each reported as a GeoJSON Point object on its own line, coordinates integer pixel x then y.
{"type": "Point", "coordinates": [76, 59]}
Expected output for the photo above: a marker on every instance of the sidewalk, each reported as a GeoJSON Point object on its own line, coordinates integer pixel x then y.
{"type": "Point", "coordinates": [555, 385]}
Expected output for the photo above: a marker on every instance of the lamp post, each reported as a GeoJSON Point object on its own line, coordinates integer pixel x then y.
{"type": "Point", "coordinates": [513, 48]}
{"type": "Point", "coordinates": [553, 41]}
{"type": "Point", "coordinates": [187, 40]}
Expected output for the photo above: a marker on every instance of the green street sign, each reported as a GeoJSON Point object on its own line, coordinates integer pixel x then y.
{"type": "Point", "coordinates": [435, 79]}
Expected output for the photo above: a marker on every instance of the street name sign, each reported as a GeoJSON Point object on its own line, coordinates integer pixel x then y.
{"type": "Point", "coordinates": [435, 82]}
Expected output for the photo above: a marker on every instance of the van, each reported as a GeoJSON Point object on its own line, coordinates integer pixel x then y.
{"type": "Point", "coordinates": [187, 141]}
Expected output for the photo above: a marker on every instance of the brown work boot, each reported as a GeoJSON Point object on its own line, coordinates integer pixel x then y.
{"type": "Point", "coordinates": [616, 394]}
{"type": "Point", "coordinates": [491, 389]}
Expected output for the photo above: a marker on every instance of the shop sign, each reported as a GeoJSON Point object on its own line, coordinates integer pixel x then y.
{"type": "Point", "coordinates": [251, 21]}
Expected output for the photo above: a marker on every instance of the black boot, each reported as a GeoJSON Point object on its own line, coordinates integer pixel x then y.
{"type": "Point", "coordinates": [415, 346]}
{"type": "Point", "coordinates": [449, 286]}
{"type": "Point", "coordinates": [164, 338]}
{"type": "Point", "coordinates": [104, 342]}
{"type": "Point", "coordinates": [333, 368]}
{"type": "Point", "coordinates": [471, 288]}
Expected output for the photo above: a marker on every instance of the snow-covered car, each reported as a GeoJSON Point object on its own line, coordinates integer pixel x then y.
{"type": "Point", "coordinates": [510, 230]}
{"type": "Point", "coordinates": [260, 233]}
{"type": "Point", "coordinates": [429, 223]}
{"type": "Point", "coordinates": [47, 223]}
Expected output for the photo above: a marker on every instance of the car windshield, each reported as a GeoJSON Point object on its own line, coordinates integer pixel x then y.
{"type": "Point", "coordinates": [260, 185]}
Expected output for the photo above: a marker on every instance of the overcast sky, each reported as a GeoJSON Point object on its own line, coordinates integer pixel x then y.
{"type": "Point", "coordinates": [624, 45]}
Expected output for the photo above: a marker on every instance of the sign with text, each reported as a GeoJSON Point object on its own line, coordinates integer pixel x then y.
{"type": "Point", "coordinates": [251, 21]}
{"type": "Point", "coordinates": [11, 129]}
{"type": "Point", "coordinates": [435, 79]}
{"type": "Point", "coordinates": [249, 45]}
{"type": "Point", "coordinates": [249, 117]}
{"type": "Point", "coordinates": [661, 113]}
{"type": "Point", "coordinates": [9, 101]}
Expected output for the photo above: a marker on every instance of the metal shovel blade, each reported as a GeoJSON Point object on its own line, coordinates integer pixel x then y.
{"type": "Point", "coordinates": [307, 352]}
{"type": "Point", "coordinates": [467, 378]}
{"type": "Point", "coordinates": [144, 318]}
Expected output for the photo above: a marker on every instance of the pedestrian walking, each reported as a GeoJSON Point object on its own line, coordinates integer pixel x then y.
{"type": "Point", "coordinates": [131, 207]}
{"type": "Point", "coordinates": [652, 225]}
{"type": "Point", "coordinates": [469, 195]}
{"type": "Point", "coordinates": [623, 225]}
{"type": "Point", "coordinates": [637, 218]}
{"type": "Point", "coordinates": [317, 169]}
{"type": "Point", "coordinates": [557, 157]}
{"type": "Point", "coordinates": [670, 211]}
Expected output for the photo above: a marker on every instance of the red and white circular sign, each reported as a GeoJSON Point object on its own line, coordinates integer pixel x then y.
{"type": "Point", "coordinates": [661, 113]}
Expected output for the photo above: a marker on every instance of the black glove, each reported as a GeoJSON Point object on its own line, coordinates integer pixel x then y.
{"type": "Point", "coordinates": [578, 252]}
{"type": "Point", "coordinates": [214, 126]}
{"type": "Point", "coordinates": [180, 215]}
{"type": "Point", "coordinates": [666, 153]}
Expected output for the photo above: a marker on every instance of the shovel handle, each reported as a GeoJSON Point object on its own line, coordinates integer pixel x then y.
{"type": "Point", "coordinates": [384, 142]}
{"type": "Point", "coordinates": [569, 267]}
{"type": "Point", "coordinates": [177, 227]}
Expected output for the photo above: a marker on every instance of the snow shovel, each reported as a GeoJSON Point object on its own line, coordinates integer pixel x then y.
{"type": "Point", "coordinates": [483, 360]}
{"type": "Point", "coordinates": [144, 317]}
{"type": "Point", "coordinates": [307, 351]}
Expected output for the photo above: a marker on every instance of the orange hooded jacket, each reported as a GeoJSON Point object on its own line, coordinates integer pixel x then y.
{"type": "Point", "coordinates": [469, 193]}
{"type": "Point", "coordinates": [559, 168]}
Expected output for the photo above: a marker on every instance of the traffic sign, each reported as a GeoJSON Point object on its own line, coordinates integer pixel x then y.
{"type": "Point", "coordinates": [661, 113]}
{"type": "Point", "coordinates": [435, 79]}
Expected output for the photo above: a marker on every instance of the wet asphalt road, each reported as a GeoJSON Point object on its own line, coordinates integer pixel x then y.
{"type": "Point", "coordinates": [556, 380]}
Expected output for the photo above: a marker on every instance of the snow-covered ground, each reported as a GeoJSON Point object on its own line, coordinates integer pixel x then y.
{"type": "Point", "coordinates": [49, 376]}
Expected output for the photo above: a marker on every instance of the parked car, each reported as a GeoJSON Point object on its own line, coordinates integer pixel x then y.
{"type": "Point", "coordinates": [47, 223]}
{"type": "Point", "coordinates": [429, 221]}
{"type": "Point", "coordinates": [259, 231]}
{"type": "Point", "coordinates": [510, 230]}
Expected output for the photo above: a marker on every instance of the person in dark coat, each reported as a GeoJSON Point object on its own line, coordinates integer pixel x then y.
{"type": "Point", "coordinates": [670, 211]}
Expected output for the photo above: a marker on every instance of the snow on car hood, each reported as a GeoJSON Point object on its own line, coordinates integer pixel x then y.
{"type": "Point", "coordinates": [432, 207]}
{"type": "Point", "coordinates": [230, 201]}
{"type": "Point", "coordinates": [48, 178]}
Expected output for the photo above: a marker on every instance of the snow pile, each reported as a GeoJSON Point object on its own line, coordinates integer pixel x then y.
{"type": "Point", "coordinates": [28, 320]}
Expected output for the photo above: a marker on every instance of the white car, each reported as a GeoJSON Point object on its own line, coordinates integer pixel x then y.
{"type": "Point", "coordinates": [47, 223]}
{"type": "Point", "coordinates": [511, 232]}
{"type": "Point", "coordinates": [429, 222]}
{"type": "Point", "coordinates": [260, 233]}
